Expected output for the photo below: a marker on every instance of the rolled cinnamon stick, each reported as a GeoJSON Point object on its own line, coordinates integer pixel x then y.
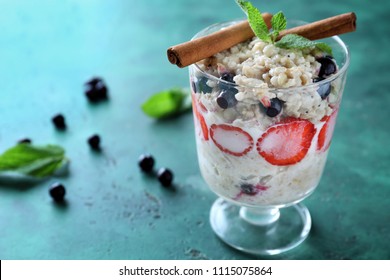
{"type": "Point", "coordinates": [193, 51]}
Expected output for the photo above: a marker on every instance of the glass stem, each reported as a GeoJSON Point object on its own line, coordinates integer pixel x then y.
{"type": "Point", "coordinates": [260, 216]}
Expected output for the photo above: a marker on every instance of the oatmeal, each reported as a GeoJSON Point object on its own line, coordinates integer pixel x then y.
{"type": "Point", "coordinates": [264, 117]}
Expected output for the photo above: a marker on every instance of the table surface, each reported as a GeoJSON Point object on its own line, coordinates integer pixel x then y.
{"type": "Point", "coordinates": [113, 211]}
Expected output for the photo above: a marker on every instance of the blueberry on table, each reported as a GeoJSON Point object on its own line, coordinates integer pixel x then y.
{"type": "Point", "coordinates": [59, 121]}
{"type": "Point", "coordinates": [95, 90]}
{"type": "Point", "coordinates": [57, 192]}
{"type": "Point", "coordinates": [328, 66]}
{"type": "Point", "coordinates": [226, 99]}
{"type": "Point", "coordinates": [275, 107]}
{"type": "Point", "coordinates": [165, 176]}
{"type": "Point", "coordinates": [94, 142]}
{"type": "Point", "coordinates": [25, 141]}
{"type": "Point", "coordinates": [324, 89]}
{"type": "Point", "coordinates": [146, 162]}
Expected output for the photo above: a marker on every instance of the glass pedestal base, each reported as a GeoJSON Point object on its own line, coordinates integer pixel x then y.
{"type": "Point", "coordinates": [260, 231]}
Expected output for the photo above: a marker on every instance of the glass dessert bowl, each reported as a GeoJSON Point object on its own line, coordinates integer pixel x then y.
{"type": "Point", "coordinates": [264, 119]}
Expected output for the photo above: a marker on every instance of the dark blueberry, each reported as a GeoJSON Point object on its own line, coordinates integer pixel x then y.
{"type": "Point", "coordinates": [24, 141]}
{"type": "Point", "coordinates": [226, 99]}
{"type": "Point", "coordinates": [193, 86]}
{"type": "Point", "coordinates": [328, 66]}
{"type": "Point", "coordinates": [59, 121]}
{"type": "Point", "coordinates": [95, 90]}
{"type": "Point", "coordinates": [200, 85]}
{"type": "Point", "coordinates": [275, 107]}
{"type": "Point", "coordinates": [165, 176]}
{"type": "Point", "coordinates": [94, 142]}
{"type": "Point", "coordinates": [324, 89]}
{"type": "Point", "coordinates": [146, 162]}
{"type": "Point", "coordinates": [248, 189]}
{"type": "Point", "coordinates": [228, 77]}
{"type": "Point", "coordinates": [57, 192]}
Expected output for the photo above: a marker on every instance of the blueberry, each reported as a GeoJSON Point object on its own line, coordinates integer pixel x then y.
{"type": "Point", "coordinates": [248, 189]}
{"type": "Point", "coordinates": [94, 142]}
{"type": "Point", "coordinates": [328, 66]}
{"type": "Point", "coordinates": [57, 192]}
{"type": "Point", "coordinates": [226, 99]}
{"type": "Point", "coordinates": [59, 121]}
{"type": "Point", "coordinates": [25, 141]}
{"type": "Point", "coordinates": [228, 77]}
{"type": "Point", "coordinates": [275, 107]}
{"type": "Point", "coordinates": [165, 176]}
{"type": "Point", "coordinates": [146, 162]}
{"type": "Point", "coordinates": [193, 86]}
{"type": "Point", "coordinates": [95, 90]}
{"type": "Point", "coordinates": [200, 85]}
{"type": "Point", "coordinates": [324, 89]}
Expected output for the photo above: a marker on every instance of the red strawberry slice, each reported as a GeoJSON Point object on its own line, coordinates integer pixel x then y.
{"type": "Point", "coordinates": [200, 118]}
{"type": "Point", "coordinates": [203, 125]}
{"type": "Point", "coordinates": [194, 104]}
{"type": "Point", "coordinates": [326, 132]}
{"type": "Point", "coordinates": [202, 107]}
{"type": "Point", "coordinates": [231, 139]}
{"type": "Point", "coordinates": [287, 142]}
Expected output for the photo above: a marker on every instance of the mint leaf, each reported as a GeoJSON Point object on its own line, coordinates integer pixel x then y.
{"type": "Point", "coordinates": [278, 22]}
{"type": "Point", "coordinates": [35, 161]}
{"type": "Point", "coordinates": [167, 103]}
{"type": "Point", "coordinates": [294, 41]}
{"type": "Point", "coordinates": [324, 47]}
{"type": "Point", "coordinates": [255, 20]}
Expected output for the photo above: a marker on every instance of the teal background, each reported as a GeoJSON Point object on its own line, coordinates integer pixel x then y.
{"type": "Point", "coordinates": [113, 211]}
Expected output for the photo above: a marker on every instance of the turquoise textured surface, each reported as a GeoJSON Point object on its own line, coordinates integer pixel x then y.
{"type": "Point", "coordinates": [113, 211]}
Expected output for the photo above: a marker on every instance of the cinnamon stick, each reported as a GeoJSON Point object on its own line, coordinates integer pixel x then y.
{"type": "Point", "coordinates": [325, 28]}
{"type": "Point", "coordinates": [193, 51]}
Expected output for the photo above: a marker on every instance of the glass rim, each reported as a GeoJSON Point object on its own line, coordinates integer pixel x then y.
{"type": "Point", "coordinates": [329, 79]}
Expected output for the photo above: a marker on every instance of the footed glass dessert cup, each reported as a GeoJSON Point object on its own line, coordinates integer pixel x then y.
{"type": "Point", "coordinates": [262, 141]}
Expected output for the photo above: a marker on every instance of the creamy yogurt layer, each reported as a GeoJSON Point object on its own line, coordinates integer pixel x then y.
{"type": "Point", "coordinates": [264, 120]}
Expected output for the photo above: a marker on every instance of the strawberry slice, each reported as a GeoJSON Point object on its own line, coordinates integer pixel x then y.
{"type": "Point", "coordinates": [202, 107]}
{"type": "Point", "coordinates": [231, 139]}
{"type": "Point", "coordinates": [326, 132]}
{"type": "Point", "coordinates": [287, 142]}
{"type": "Point", "coordinates": [200, 118]}
{"type": "Point", "coordinates": [204, 127]}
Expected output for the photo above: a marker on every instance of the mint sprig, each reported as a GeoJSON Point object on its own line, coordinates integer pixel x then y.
{"type": "Point", "coordinates": [33, 161]}
{"type": "Point", "coordinates": [255, 20]}
{"type": "Point", "coordinates": [167, 103]}
{"type": "Point", "coordinates": [278, 24]}
{"type": "Point", "coordinates": [293, 41]}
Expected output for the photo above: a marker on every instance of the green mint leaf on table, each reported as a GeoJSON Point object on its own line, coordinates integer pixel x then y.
{"type": "Point", "coordinates": [294, 41]}
{"type": "Point", "coordinates": [167, 103]}
{"type": "Point", "coordinates": [255, 20]}
{"type": "Point", "coordinates": [33, 161]}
